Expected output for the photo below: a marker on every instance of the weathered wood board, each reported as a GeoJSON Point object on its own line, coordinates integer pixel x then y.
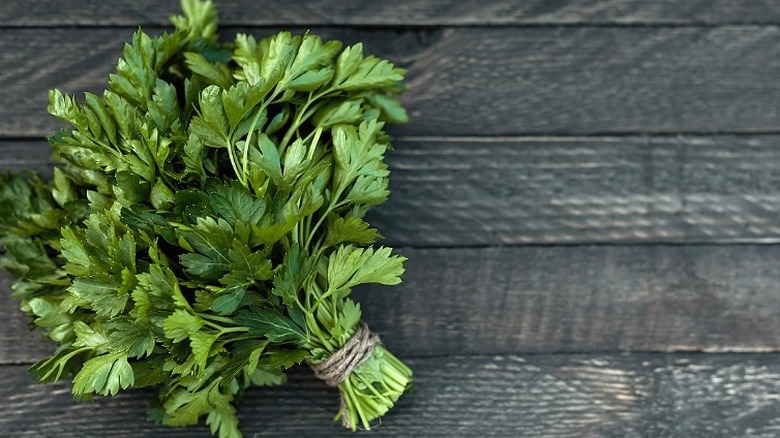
{"type": "Point", "coordinates": [538, 396]}
{"type": "Point", "coordinates": [399, 13]}
{"type": "Point", "coordinates": [483, 81]}
{"type": "Point", "coordinates": [554, 299]}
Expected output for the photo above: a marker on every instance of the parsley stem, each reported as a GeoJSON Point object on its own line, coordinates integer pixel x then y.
{"type": "Point", "coordinates": [226, 330]}
{"type": "Point", "coordinates": [234, 165]}
{"type": "Point", "coordinates": [242, 176]}
{"type": "Point", "coordinates": [216, 318]}
{"type": "Point", "coordinates": [313, 145]}
{"type": "Point", "coordinates": [330, 208]}
{"type": "Point", "coordinates": [303, 114]}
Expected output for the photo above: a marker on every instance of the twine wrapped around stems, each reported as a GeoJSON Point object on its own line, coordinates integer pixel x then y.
{"type": "Point", "coordinates": [336, 368]}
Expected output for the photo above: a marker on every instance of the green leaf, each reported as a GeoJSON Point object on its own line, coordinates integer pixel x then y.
{"type": "Point", "coordinates": [181, 325]}
{"type": "Point", "coordinates": [48, 315]}
{"type": "Point", "coordinates": [283, 358]}
{"type": "Point", "coordinates": [147, 373]}
{"type": "Point", "coordinates": [64, 191]}
{"type": "Point", "coordinates": [268, 159]}
{"type": "Point", "coordinates": [105, 294]}
{"type": "Point", "coordinates": [222, 420]}
{"type": "Point", "coordinates": [86, 336]}
{"type": "Point", "coordinates": [246, 267]}
{"type": "Point", "coordinates": [136, 71]}
{"type": "Point", "coordinates": [199, 21]}
{"type": "Point", "coordinates": [272, 325]}
{"type": "Point", "coordinates": [193, 156]}
{"type": "Point", "coordinates": [350, 316]}
{"type": "Point", "coordinates": [142, 218]}
{"type": "Point", "coordinates": [133, 339]}
{"type": "Point", "coordinates": [350, 230]}
{"type": "Point", "coordinates": [202, 344]}
{"type": "Point", "coordinates": [390, 107]}
{"type": "Point", "coordinates": [161, 196]}
{"type": "Point", "coordinates": [157, 295]}
{"type": "Point", "coordinates": [244, 356]}
{"type": "Point", "coordinates": [104, 375]}
{"type": "Point", "coordinates": [212, 239]}
{"type": "Point", "coordinates": [211, 125]}
{"type": "Point", "coordinates": [348, 61]}
{"type": "Point", "coordinates": [65, 361]}
{"type": "Point", "coordinates": [233, 202]}
{"type": "Point", "coordinates": [203, 267]}
{"type": "Point", "coordinates": [228, 302]}
{"type": "Point", "coordinates": [131, 188]}
{"type": "Point", "coordinates": [266, 376]}
{"type": "Point", "coordinates": [183, 408]}
{"type": "Point", "coordinates": [360, 164]}
{"type": "Point", "coordinates": [339, 112]}
{"type": "Point", "coordinates": [277, 57]}
{"type": "Point", "coordinates": [66, 108]}
{"type": "Point", "coordinates": [164, 108]}
{"type": "Point", "coordinates": [311, 80]}
{"type": "Point", "coordinates": [349, 266]}
{"type": "Point", "coordinates": [289, 279]}
{"type": "Point", "coordinates": [370, 73]}
{"type": "Point", "coordinates": [211, 72]}
{"type": "Point", "coordinates": [305, 69]}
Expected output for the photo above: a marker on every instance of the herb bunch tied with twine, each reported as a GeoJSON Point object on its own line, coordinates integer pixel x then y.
{"type": "Point", "coordinates": [204, 227]}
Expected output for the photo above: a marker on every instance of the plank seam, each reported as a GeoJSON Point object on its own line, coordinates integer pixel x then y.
{"type": "Point", "coordinates": [522, 137]}
{"type": "Point", "coordinates": [593, 353]}
{"type": "Point", "coordinates": [422, 26]}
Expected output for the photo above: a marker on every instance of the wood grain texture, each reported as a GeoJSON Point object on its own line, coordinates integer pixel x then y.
{"type": "Point", "coordinates": [572, 190]}
{"type": "Point", "coordinates": [485, 81]}
{"type": "Point", "coordinates": [454, 192]}
{"type": "Point", "coordinates": [398, 13]}
{"type": "Point", "coordinates": [700, 396]}
{"type": "Point", "coordinates": [551, 299]}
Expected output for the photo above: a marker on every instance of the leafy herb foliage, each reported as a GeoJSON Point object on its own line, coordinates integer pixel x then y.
{"type": "Point", "coordinates": [204, 227]}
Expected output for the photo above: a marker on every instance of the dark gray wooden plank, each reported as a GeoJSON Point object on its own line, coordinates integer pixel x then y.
{"type": "Point", "coordinates": [16, 156]}
{"type": "Point", "coordinates": [398, 13]}
{"type": "Point", "coordinates": [485, 81]}
{"type": "Point", "coordinates": [449, 192]}
{"type": "Point", "coordinates": [701, 396]}
{"type": "Point", "coordinates": [552, 299]}
{"type": "Point", "coordinates": [456, 192]}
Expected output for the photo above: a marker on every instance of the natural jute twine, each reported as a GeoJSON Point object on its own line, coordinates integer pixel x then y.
{"type": "Point", "coordinates": [336, 368]}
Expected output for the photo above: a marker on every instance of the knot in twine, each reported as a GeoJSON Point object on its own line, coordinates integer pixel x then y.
{"type": "Point", "coordinates": [336, 368]}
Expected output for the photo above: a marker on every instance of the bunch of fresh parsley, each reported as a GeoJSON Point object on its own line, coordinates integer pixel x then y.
{"type": "Point", "coordinates": [204, 226]}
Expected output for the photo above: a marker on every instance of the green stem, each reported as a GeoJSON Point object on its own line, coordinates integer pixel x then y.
{"type": "Point", "coordinates": [217, 318]}
{"type": "Point", "coordinates": [226, 330]}
{"type": "Point", "coordinates": [234, 165]}
{"type": "Point", "coordinates": [313, 145]}
{"type": "Point", "coordinates": [330, 208]}
{"type": "Point", "coordinates": [243, 178]}
{"type": "Point", "coordinates": [303, 114]}
{"type": "Point", "coordinates": [248, 143]}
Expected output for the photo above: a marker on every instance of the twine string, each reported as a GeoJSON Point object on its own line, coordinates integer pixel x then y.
{"type": "Point", "coordinates": [336, 368]}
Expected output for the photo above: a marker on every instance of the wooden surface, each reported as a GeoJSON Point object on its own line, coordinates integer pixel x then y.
{"type": "Point", "coordinates": [494, 80]}
{"type": "Point", "coordinates": [398, 12]}
{"type": "Point", "coordinates": [588, 192]}
{"type": "Point", "coordinates": [573, 396]}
